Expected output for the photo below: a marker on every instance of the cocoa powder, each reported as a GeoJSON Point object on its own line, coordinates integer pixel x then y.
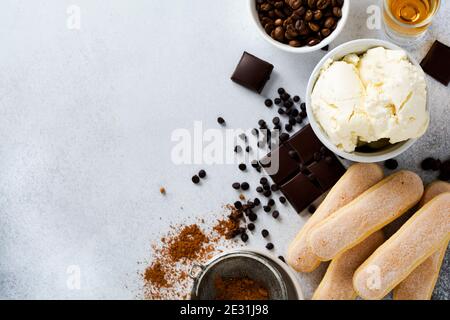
{"type": "Point", "coordinates": [239, 289]}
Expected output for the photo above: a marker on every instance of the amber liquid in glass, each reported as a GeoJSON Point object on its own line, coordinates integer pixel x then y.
{"type": "Point", "coordinates": [408, 17]}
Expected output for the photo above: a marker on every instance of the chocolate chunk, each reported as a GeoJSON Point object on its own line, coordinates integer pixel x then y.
{"type": "Point", "coordinates": [444, 174]}
{"type": "Point", "coordinates": [282, 165]}
{"type": "Point", "coordinates": [436, 63]}
{"type": "Point", "coordinates": [252, 72]}
{"type": "Point", "coordinates": [300, 192]}
{"type": "Point", "coordinates": [305, 143]}
{"type": "Point", "coordinates": [327, 174]}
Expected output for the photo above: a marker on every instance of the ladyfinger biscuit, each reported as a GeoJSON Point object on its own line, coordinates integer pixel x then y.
{"type": "Point", "coordinates": [419, 285]}
{"type": "Point", "coordinates": [371, 211]}
{"type": "Point", "coordinates": [337, 284]}
{"type": "Point", "coordinates": [424, 233]}
{"type": "Point", "coordinates": [357, 179]}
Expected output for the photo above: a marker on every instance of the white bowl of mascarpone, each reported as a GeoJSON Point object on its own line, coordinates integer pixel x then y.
{"type": "Point", "coordinates": [367, 100]}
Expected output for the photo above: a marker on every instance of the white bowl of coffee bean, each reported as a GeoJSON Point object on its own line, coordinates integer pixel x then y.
{"type": "Point", "coordinates": [299, 26]}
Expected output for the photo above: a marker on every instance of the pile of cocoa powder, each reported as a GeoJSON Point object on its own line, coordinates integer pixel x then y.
{"type": "Point", "coordinates": [167, 275]}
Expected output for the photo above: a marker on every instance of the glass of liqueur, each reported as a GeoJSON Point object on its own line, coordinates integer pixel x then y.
{"type": "Point", "coordinates": [407, 21]}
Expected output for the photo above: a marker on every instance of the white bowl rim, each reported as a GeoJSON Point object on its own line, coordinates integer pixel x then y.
{"type": "Point", "coordinates": [304, 49]}
{"type": "Point", "coordinates": [356, 156]}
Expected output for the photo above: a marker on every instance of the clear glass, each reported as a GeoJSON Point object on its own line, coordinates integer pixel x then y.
{"type": "Point", "coordinates": [406, 21]}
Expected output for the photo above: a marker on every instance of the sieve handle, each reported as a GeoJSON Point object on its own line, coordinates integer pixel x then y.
{"type": "Point", "coordinates": [195, 270]}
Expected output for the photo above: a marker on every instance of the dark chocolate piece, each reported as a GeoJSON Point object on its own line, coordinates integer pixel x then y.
{"type": "Point", "coordinates": [305, 143]}
{"type": "Point", "coordinates": [252, 72]}
{"type": "Point", "coordinates": [300, 192]}
{"type": "Point", "coordinates": [306, 168]}
{"type": "Point", "coordinates": [436, 62]}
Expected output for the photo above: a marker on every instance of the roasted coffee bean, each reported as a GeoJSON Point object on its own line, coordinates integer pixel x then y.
{"type": "Point", "coordinates": [288, 104]}
{"type": "Point", "coordinates": [295, 43]}
{"type": "Point", "coordinates": [337, 12]}
{"type": "Point", "coordinates": [303, 114]}
{"type": "Point", "coordinates": [301, 27]}
{"type": "Point", "coordinates": [202, 173]}
{"type": "Point", "coordinates": [221, 120]}
{"type": "Point", "coordinates": [251, 226]}
{"type": "Point", "coordinates": [236, 185]}
{"type": "Point", "coordinates": [271, 202]}
{"type": "Point", "coordinates": [325, 32]}
{"type": "Point", "coordinates": [296, 99]}
{"type": "Point", "coordinates": [292, 121]}
{"type": "Point", "coordinates": [294, 4]}
{"type": "Point", "coordinates": [285, 96]}
{"type": "Point", "coordinates": [242, 167]}
{"type": "Point", "coordinates": [309, 15]}
{"type": "Point", "coordinates": [313, 41]}
{"type": "Point", "coordinates": [281, 91]}
{"type": "Point", "coordinates": [245, 186]}
{"type": "Point", "coordinates": [195, 179]}
{"type": "Point", "coordinates": [278, 4]}
{"type": "Point", "coordinates": [266, 187]}
{"type": "Point", "coordinates": [298, 119]}
{"type": "Point", "coordinates": [282, 199]}
{"type": "Point", "coordinates": [317, 15]}
{"type": "Point", "coordinates": [288, 127]}
{"type": "Point", "coordinates": [238, 205]}
{"type": "Point", "coordinates": [281, 111]}
{"type": "Point", "coordinates": [312, 4]}
{"type": "Point", "coordinates": [263, 181]}
{"type": "Point", "coordinates": [244, 237]}
{"type": "Point", "coordinates": [329, 22]}
{"type": "Point", "coordinates": [323, 4]}
{"type": "Point", "coordinates": [268, 102]}
{"type": "Point", "coordinates": [278, 33]}
{"type": "Point", "coordinates": [265, 7]}
{"type": "Point", "coordinates": [277, 101]}
{"type": "Point", "coordinates": [266, 208]}
{"type": "Point", "coordinates": [299, 12]}
{"type": "Point", "coordinates": [313, 26]}
{"type": "Point", "coordinates": [252, 217]}
{"type": "Point", "coordinates": [267, 193]}
{"type": "Point", "coordinates": [275, 214]}
{"type": "Point", "coordinates": [290, 33]}
{"type": "Point", "coordinates": [256, 201]}
{"type": "Point", "coordinates": [265, 233]}
{"type": "Point", "coordinates": [276, 120]}
{"type": "Point", "coordinates": [303, 106]}
{"type": "Point", "coordinates": [269, 246]}
{"type": "Point", "coordinates": [259, 189]}
{"type": "Point", "coordinates": [391, 164]}
{"type": "Point", "coordinates": [268, 27]}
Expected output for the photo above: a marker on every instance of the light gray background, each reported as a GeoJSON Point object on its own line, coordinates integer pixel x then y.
{"type": "Point", "coordinates": [85, 123]}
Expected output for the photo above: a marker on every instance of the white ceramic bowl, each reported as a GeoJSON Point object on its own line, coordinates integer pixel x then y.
{"type": "Point", "coordinates": [305, 49]}
{"type": "Point", "coordinates": [355, 46]}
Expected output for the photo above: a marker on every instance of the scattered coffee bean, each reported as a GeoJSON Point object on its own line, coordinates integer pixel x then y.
{"type": "Point", "coordinates": [242, 167]}
{"type": "Point", "coordinates": [202, 174]}
{"type": "Point", "coordinates": [281, 111]}
{"type": "Point", "coordinates": [298, 119]}
{"type": "Point", "coordinates": [245, 186]}
{"type": "Point", "coordinates": [276, 120]}
{"type": "Point", "coordinates": [251, 226]}
{"type": "Point", "coordinates": [266, 187]}
{"type": "Point", "coordinates": [238, 205]}
{"type": "Point", "coordinates": [303, 114]}
{"type": "Point", "coordinates": [263, 181]}
{"type": "Point", "coordinates": [266, 208]}
{"type": "Point", "coordinates": [311, 209]}
{"type": "Point", "coordinates": [195, 179]}
{"type": "Point", "coordinates": [221, 120]}
{"type": "Point", "coordinates": [265, 233]}
{"type": "Point", "coordinates": [288, 127]}
{"type": "Point", "coordinates": [268, 103]}
{"type": "Point", "coordinates": [296, 98]}
{"type": "Point", "coordinates": [277, 101]}
{"type": "Point", "coordinates": [259, 189]}
{"type": "Point", "coordinates": [275, 214]}
{"type": "Point", "coordinates": [262, 123]}
{"type": "Point", "coordinates": [244, 237]}
{"type": "Point", "coordinates": [252, 217]}
{"type": "Point", "coordinates": [282, 199]}
{"type": "Point", "coordinates": [271, 203]}
{"type": "Point", "coordinates": [274, 187]}
{"type": "Point", "coordinates": [269, 246]}
{"type": "Point", "coordinates": [391, 164]}
{"type": "Point", "coordinates": [236, 185]}
{"type": "Point", "coordinates": [281, 91]}
{"type": "Point", "coordinates": [257, 202]}
{"type": "Point", "coordinates": [293, 154]}
{"type": "Point", "coordinates": [284, 137]}
{"type": "Point", "coordinates": [237, 149]}
{"type": "Point", "coordinates": [303, 106]}
{"type": "Point", "coordinates": [285, 96]}
{"type": "Point", "coordinates": [267, 193]}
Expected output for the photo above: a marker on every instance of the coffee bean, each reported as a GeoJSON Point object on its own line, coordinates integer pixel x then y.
{"type": "Point", "coordinates": [292, 121]}
{"type": "Point", "coordinates": [281, 111]}
{"type": "Point", "coordinates": [317, 15]}
{"type": "Point", "coordinates": [303, 114]}
{"type": "Point", "coordinates": [277, 101]}
{"type": "Point", "coordinates": [311, 209]}
{"type": "Point", "coordinates": [285, 96]}
{"type": "Point", "coordinates": [313, 41]}
{"type": "Point", "coordinates": [252, 217]}
{"type": "Point", "coordinates": [268, 103]}
{"type": "Point", "coordinates": [276, 120]}
{"type": "Point", "coordinates": [325, 32]}
{"type": "Point", "coordinates": [269, 246]}
{"type": "Point", "coordinates": [221, 120]}
{"type": "Point", "coordinates": [265, 233]}
{"type": "Point", "coordinates": [251, 226]}
{"type": "Point", "coordinates": [282, 199]}
{"type": "Point", "coordinates": [266, 187]}
{"type": "Point", "coordinates": [238, 205]}
{"type": "Point", "coordinates": [259, 189]}
{"type": "Point", "coordinates": [202, 173]}
{"type": "Point", "coordinates": [329, 22]}
{"type": "Point", "coordinates": [255, 163]}
{"type": "Point", "coordinates": [195, 179]}
{"type": "Point", "coordinates": [288, 104]}
{"type": "Point", "coordinates": [312, 3]}
{"type": "Point", "coordinates": [313, 26]}
{"type": "Point", "coordinates": [391, 164]}
{"type": "Point", "coordinates": [271, 202]}
{"type": "Point", "coordinates": [303, 106]}
{"type": "Point", "coordinates": [267, 193]}
{"type": "Point", "coordinates": [266, 208]}
{"type": "Point", "coordinates": [337, 12]}
{"type": "Point", "coordinates": [323, 4]}
{"type": "Point", "coordinates": [296, 98]}
{"type": "Point", "coordinates": [288, 127]}
{"type": "Point", "coordinates": [281, 91]}
{"type": "Point", "coordinates": [275, 214]}
{"type": "Point", "coordinates": [298, 119]}
{"type": "Point", "coordinates": [237, 149]}
{"type": "Point", "coordinates": [278, 33]}
{"type": "Point", "coordinates": [436, 165]}
{"type": "Point", "coordinates": [236, 185]}
{"type": "Point", "coordinates": [245, 186]}
{"type": "Point", "coordinates": [295, 43]}
{"type": "Point", "coordinates": [244, 237]}
{"type": "Point", "coordinates": [256, 201]}
{"type": "Point", "coordinates": [242, 167]}
{"type": "Point", "coordinates": [274, 187]}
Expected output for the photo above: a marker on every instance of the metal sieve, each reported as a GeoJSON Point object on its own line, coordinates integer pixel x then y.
{"type": "Point", "coordinates": [239, 264]}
